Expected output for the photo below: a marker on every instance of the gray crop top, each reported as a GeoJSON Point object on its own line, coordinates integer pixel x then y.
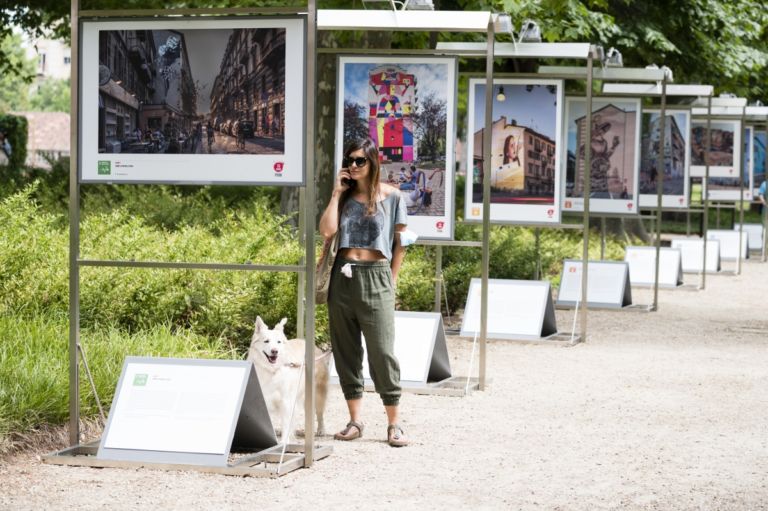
{"type": "Point", "coordinates": [375, 232]}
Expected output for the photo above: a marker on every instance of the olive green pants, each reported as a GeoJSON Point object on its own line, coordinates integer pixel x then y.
{"type": "Point", "coordinates": [364, 304]}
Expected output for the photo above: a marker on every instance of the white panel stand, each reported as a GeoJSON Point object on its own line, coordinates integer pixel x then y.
{"type": "Point", "coordinates": [518, 310]}
{"type": "Point", "coordinates": [729, 244]}
{"type": "Point", "coordinates": [692, 254]}
{"type": "Point", "coordinates": [642, 265]}
{"type": "Point", "coordinates": [188, 414]}
{"type": "Point", "coordinates": [422, 352]}
{"type": "Point", "coordinates": [755, 240]}
{"type": "Point", "coordinates": [607, 286]}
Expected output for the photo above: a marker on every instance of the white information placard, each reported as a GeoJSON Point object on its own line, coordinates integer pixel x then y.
{"type": "Point", "coordinates": [607, 284]}
{"type": "Point", "coordinates": [184, 410]}
{"type": "Point", "coordinates": [729, 243]}
{"type": "Point", "coordinates": [419, 347]}
{"type": "Point", "coordinates": [642, 266]}
{"type": "Point", "coordinates": [193, 101]}
{"type": "Point", "coordinates": [692, 253]}
{"type": "Point", "coordinates": [517, 310]}
{"type": "Point", "coordinates": [755, 231]}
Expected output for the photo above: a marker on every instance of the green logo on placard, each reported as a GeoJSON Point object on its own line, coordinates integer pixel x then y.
{"type": "Point", "coordinates": [140, 380]}
{"type": "Point", "coordinates": [105, 167]}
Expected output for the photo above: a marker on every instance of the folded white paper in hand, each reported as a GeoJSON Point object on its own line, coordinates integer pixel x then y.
{"type": "Point", "coordinates": [408, 237]}
{"type": "Point", "coordinates": [346, 270]}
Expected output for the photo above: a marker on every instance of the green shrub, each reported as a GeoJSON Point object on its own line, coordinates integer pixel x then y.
{"type": "Point", "coordinates": [34, 365]}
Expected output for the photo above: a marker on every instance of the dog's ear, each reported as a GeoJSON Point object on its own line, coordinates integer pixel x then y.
{"type": "Point", "coordinates": [282, 323]}
{"type": "Point", "coordinates": [260, 325]}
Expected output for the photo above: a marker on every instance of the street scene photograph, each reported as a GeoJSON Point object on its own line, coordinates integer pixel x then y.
{"type": "Point", "coordinates": [199, 91]}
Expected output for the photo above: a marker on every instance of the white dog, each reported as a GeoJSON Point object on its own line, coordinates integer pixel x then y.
{"type": "Point", "coordinates": [279, 366]}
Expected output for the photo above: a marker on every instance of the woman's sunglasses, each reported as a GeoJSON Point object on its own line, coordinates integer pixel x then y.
{"type": "Point", "coordinates": [359, 161]}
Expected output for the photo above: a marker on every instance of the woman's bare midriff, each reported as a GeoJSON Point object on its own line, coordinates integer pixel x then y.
{"type": "Point", "coordinates": [361, 254]}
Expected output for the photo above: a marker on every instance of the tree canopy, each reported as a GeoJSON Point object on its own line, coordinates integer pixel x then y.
{"type": "Point", "coordinates": [719, 42]}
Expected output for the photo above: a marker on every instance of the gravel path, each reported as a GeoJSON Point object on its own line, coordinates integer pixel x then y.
{"type": "Point", "coordinates": [664, 410]}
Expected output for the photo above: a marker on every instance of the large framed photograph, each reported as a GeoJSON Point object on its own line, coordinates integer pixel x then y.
{"type": "Point", "coordinates": [407, 105]}
{"type": "Point", "coordinates": [525, 160]}
{"type": "Point", "coordinates": [615, 155]}
{"type": "Point", "coordinates": [194, 101]}
{"type": "Point", "coordinates": [729, 189]}
{"type": "Point", "coordinates": [759, 140]}
{"type": "Point", "coordinates": [677, 152]}
{"type": "Point", "coordinates": [725, 148]}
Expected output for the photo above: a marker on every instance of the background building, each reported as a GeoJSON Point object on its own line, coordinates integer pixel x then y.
{"type": "Point", "coordinates": [522, 160]}
{"type": "Point", "coordinates": [251, 81]}
{"type": "Point", "coordinates": [54, 58]}
{"type": "Point", "coordinates": [674, 153]}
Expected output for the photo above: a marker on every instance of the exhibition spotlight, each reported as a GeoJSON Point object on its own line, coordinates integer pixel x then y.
{"type": "Point", "coordinates": [668, 73]}
{"type": "Point", "coordinates": [418, 5]}
{"type": "Point", "coordinates": [727, 95]}
{"type": "Point", "coordinates": [503, 24]}
{"type": "Point", "coordinates": [613, 58]}
{"type": "Point", "coordinates": [500, 96]}
{"type": "Point", "coordinates": [529, 32]}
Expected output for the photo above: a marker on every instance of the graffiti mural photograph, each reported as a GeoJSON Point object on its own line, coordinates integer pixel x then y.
{"type": "Point", "coordinates": [210, 89]}
{"type": "Point", "coordinates": [676, 158]}
{"type": "Point", "coordinates": [526, 119]}
{"type": "Point", "coordinates": [615, 155]}
{"type": "Point", "coordinates": [407, 106]}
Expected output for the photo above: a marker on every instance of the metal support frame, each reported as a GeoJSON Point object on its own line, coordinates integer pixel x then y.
{"type": "Point", "coordinates": [298, 456]}
{"type": "Point", "coordinates": [585, 213]}
{"type": "Point", "coordinates": [431, 21]}
{"type": "Point", "coordinates": [660, 190]}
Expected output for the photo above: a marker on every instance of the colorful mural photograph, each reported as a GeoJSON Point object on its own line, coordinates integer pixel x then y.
{"type": "Point", "coordinates": [724, 148]}
{"type": "Point", "coordinates": [676, 158]}
{"type": "Point", "coordinates": [758, 160]}
{"type": "Point", "coordinates": [729, 189]}
{"type": "Point", "coordinates": [407, 106]}
{"type": "Point", "coordinates": [524, 161]}
{"type": "Point", "coordinates": [615, 155]}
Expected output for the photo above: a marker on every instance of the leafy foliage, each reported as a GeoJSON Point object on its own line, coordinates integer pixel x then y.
{"type": "Point", "coordinates": [51, 95]}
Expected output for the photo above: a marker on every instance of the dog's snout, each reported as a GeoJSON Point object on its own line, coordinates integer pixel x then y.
{"type": "Point", "coordinates": [274, 352]}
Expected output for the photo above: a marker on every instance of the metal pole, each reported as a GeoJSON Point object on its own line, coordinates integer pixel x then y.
{"type": "Point", "coordinates": [587, 191]}
{"type": "Point", "coordinates": [74, 231]}
{"type": "Point", "coordinates": [602, 238]}
{"type": "Point", "coordinates": [487, 134]}
{"type": "Point", "coordinates": [302, 278]}
{"type": "Point", "coordinates": [309, 235]}
{"type": "Point", "coordinates": [660, 188]}
{"type": "Point", "coordinates": [537, 268]}
{"type": "Point", "coordinates": [705, 196]}
{"type": "Point", "coordinates": [741, 189]}
{"type": "Point", "coordinates": [688, 222]}
{"type": "Point", "coordinates": [438, 276]}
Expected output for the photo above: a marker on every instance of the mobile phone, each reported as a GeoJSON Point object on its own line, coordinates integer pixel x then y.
{"type": "Point", "coordinates": [349, 182]}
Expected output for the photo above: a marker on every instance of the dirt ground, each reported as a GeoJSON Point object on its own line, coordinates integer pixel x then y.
{"type": "Point", "coordinates": [662, 410]}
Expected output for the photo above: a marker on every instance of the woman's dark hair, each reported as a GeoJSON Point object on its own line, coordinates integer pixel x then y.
{"type": "Point", "coordinates": [372, 154]}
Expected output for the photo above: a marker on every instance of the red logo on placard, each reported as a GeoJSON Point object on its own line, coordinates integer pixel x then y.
{"type": "Point", "coordinates": [730, 171]}
{"type": "Point", "coordinates": [572, 269]}
{"type": "Point", "coordinates": [550, 212]}
{"type": "Point", "coordinates": [680, 200]}
{"type": "Point", "coordinates": [278, 166]}
{"type": "Point", "coordinates": [440, 224]}
{"type": "Point", "coordinates": [567, 204]}
{"type": "Point", "coordinates": [629, 205]}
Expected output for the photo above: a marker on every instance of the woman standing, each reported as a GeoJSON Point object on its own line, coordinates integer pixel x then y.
{"type": "Point", "coordinates": [361, 299]}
